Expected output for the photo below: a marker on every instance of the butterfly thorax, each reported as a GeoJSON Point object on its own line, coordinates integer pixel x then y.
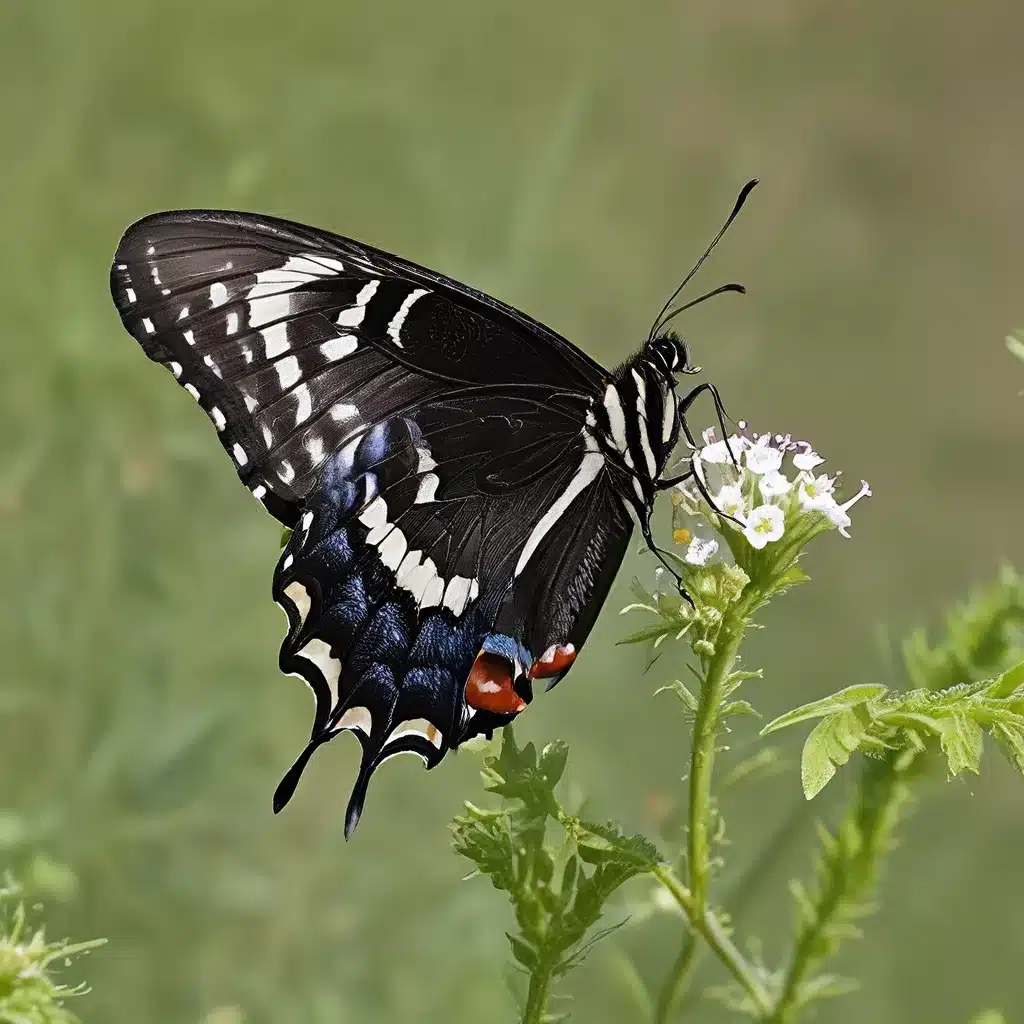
{"type": "Point", "coordinates": [634, 422]}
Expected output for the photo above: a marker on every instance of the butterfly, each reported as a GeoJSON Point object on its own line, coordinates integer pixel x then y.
{"type": "Point", "coordinates": [460, 481]}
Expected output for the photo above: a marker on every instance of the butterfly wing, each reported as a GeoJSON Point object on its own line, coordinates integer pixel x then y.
{"type": "Point", "coordinates": [276, 329]}
{"type": "Point", "coordinates": [427, 546]}
{"type": "Point", "coordinates": [428, 445]}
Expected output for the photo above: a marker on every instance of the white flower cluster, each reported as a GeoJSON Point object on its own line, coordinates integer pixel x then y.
{"type": "Point", "coordinates": [747, 480]}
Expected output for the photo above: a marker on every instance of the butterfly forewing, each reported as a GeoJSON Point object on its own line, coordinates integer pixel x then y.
{"type": "Point", "coordinates": [428, 444]}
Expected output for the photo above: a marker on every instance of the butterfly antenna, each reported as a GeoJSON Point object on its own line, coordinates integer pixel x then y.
{"type": "Point", "coordinates": [738, 288]}
{"type": "Point", "coordinates": [740, 200]}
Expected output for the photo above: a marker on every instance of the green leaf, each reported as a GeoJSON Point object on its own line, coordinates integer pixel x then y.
{"type": "Point", "coordinates": [841, 701]}
{"type": "Point", "coordinates": [826, 986]}
{"type": "Point", "coordinates": [1010, 737]}
{"type": "Point", "coordinates": [650, 633]}
{"type": "Point", "coordinates": [608, 842]}
{"type": "Point", "coordinates": [740, 707]}
{"type": "Point", "coordinates": [685, 696]}
{"type": "Point", "coordinates": [1008, 683]}
{"type": "Point", "coordinates": [740, 676]}
{"type": "Point", "coordinates": [829, 746]}
{"type": "Point", "coordinates": [961, 742]}
{"type": "Point", "coordinates": [558, 891]}
{"type": "Point", "coordinates": [792, 577]}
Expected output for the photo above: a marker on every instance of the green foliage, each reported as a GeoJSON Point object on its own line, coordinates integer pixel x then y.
{"type": "Point", "coordinates": [873, 720]}
{"type": "Point", "coordinates": [846, 869]}
{"type": "Point", "coordinates": [980, 651]}
{"type": "Point", "coordinates": [982, 634]}
{"type": "Point", "coordinates": [981, 638]}
{"type": "Point", "coordinates": [556, 899]}
{"type": "Point", "coordinates": [29, 992]}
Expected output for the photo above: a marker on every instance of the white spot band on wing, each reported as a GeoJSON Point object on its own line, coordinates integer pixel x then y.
{"type": "Point", "coordinates": [590, 466]}
{"type": "Point", "coordinates": [616, 418]}
{"type": "Point", "coordinates": [395, 327]}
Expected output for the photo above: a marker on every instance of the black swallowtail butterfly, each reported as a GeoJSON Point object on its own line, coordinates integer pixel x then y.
{"type": "Point", "coordinates": [459, 479]}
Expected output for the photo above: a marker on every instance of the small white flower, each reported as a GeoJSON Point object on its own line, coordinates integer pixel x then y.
{"type": "Point", "coordinates": [761, 458]}
{"type": "Point", "coordinates": [773, 484]}
{"type": "Point", "coordinates": [700, 551]}
{"type": "Point", "coordinates": [808, 458]}
{"type": "Point", "coordinates": [839, 514]}
{"type": "Point", "coordinates": [716, 453]}
{"type": "Point", "coordinates": [765, 524]}
{"type": "Point", "coordinates": [838, 517]}
{"type": "Point", "coordinates": [730, 501]}
{"type": "Point", "coordinates": [816, 492]}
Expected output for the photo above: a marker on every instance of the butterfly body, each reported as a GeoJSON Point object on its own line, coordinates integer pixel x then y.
{"type": "Point", "coordinates": [460, 481]}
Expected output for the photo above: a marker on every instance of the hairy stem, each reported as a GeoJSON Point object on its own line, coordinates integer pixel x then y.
{"type": "Point", "coordinates": [537, 998]}
{"type": "Point", "coordinates": [702, 760]}
{"type": "Point", "coordinates": [710, 929]}
{"type": "Point", "coordinates": [702, 756]}
{"type": "Point", "coordinates": [851, 866]}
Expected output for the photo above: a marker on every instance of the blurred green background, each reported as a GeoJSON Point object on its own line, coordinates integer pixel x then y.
{"type": "Point", "coordinates": [573, 158]}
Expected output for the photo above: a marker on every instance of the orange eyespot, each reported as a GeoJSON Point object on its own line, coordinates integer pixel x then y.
{"type": "Point", "coordinates": [489, 686]}
{"type": "Point", "coordinates": [681, 536]}
{"type": "Point", "coordinates": [553, 662]}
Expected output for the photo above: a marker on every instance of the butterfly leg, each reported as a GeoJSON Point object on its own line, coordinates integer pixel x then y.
{"type": "Point", "coordinates": [668, 482]}
{"type": "Point", "coordinates": [645, 528]}
{"type": "Point", "coordinates": [684, 407]}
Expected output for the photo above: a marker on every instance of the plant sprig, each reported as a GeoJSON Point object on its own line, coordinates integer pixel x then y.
{"type": "Point", "coordinates": [968, 685]}
{"type": "Point", "coordinates": [29, 994]}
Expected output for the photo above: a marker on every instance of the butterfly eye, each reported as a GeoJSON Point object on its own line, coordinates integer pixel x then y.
{"type": "Point", "coordinates": [489, 686]}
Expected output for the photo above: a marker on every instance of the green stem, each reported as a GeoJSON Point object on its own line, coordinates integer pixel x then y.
{"type": "Point", "coordinates": [850, 868]}
{"type": "Point", "coordinates": [702, 762]}
{"type": "Point", "coordinates": [702, 755]}
{"type": "Point", "coordinates": [707, 925]}
{"type": "Point", "coordinates": [537, 997]}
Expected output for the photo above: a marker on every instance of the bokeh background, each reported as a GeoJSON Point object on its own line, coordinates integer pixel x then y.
{"type": "Point", "coordinates": [572, 158]}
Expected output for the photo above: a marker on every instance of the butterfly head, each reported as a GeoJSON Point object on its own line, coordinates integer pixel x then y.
{"type": "Point", "coordinates": [671, 353]}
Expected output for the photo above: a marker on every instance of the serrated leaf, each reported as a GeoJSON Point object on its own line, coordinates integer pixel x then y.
{"type": "Point", "coordinates": [684, 695]}
{"type": "Point", "coordinates": [1010, 737]}
{"type": "Point", "coordinates": [607, 841]}
{"type": "Point", "coordinates": [961, 742]}
{"type": "Point", "coordinates": [1006, 685]}
{"type": "Point", "coordinates": [735, 678]}
{"type": "Point", "coordinates": [740, 707]}
{"type": "Point", "coordinates": [829, 746]}
{"type": "Point", "coordinates": [851, 697]}
{"type": "Point", "coordinates": [552, 762]}
{"type": "Point", "coordinates": [650, 633]}
{"type": "Point", "coordinates": [826, 986]}
{"type": "Point", "coordinates": [793, 576]}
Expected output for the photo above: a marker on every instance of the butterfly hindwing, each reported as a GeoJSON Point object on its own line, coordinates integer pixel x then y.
{"type": "Point", "coordinates": [395, 579]}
